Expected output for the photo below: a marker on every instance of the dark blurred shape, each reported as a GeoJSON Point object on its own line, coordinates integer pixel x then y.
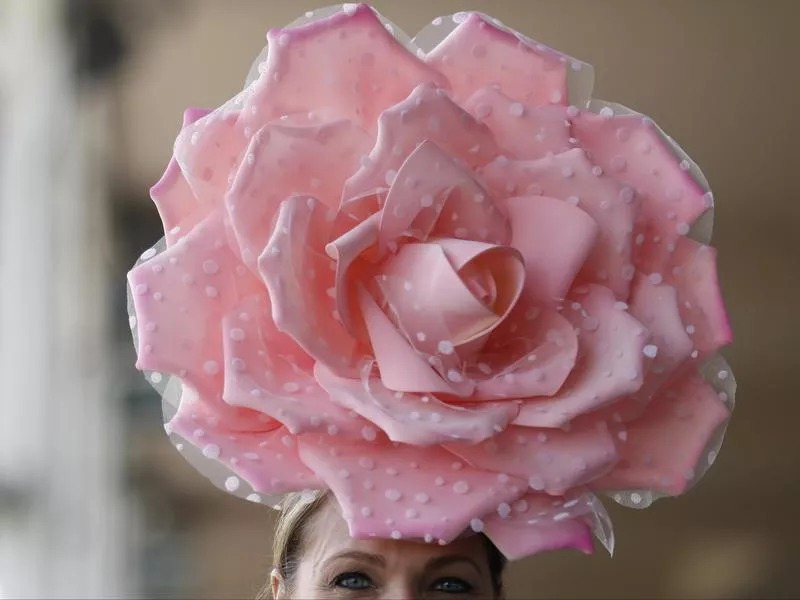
{"type": "Point", "coordinates": [103, 32]}
{"type": "Point", "coordinates": [98, 38]}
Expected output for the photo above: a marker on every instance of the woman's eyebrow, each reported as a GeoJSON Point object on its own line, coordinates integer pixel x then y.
{"type": "Point", "coordinates": [375, 559]}
{"type": "Point", "coordinates": [451, 559]}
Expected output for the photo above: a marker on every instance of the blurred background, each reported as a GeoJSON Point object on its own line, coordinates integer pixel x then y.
{"type": "Point", "coordinates": [94, 501]}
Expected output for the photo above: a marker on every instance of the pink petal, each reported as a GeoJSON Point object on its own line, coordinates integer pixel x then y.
{"type": "Point", "coordinates": [451, 293]}
{"type": "Point", "coordinates": [282, 161]}
{"type": "Point", "coordinates": [631, 149]}
{"type": "Point", "coordinates": [664, 446]}
{"type": "Point", "coordinates": [395, 490]}
{"type": "Point", "coordinates": [209, 150]}
{"type": "Point", "coordinates": [346, 66]}
{"type": "Point", "coordinates": [176, 203]}
{"type": "Point", "coordinates": [570, 176]}
{"type": "Point", "coordinates": [267, 460]}
{"type": "Point", "coordinates": [552, 461]}
{"type": "Point", "coordinates": [266, 371]}
{"type": "Point", "coordinates": [611, 362]}
{"type": "Point", "coordinates": [297, 273]}
{"type": "Point", "coordinates": [531, 354]}
{"type": "Point", "coordinates": [478, 54]}
{"type": "Point", "coordinates": [554, 239]}
{"type": "Point", "coordinates": [523, 132]}
{"type": "Point", "coordinates": [412, 418]}
{"type": "Point", "coordinates": [428, 114]}
{"type": "Point", "coordinates": [692, 271]}
{"type": "Point", "coordinates": [402, 368]}
{"type": "Point", "coordinates": [347, 250]}
{"type": "Point", "coordinates": [657, 308]}
{"type": "Point", "coordinates": [179, 297]}
{"type": "Point", "coordinates": [431, 195]}
{"type": "Point", "coordinates": [537, 523]}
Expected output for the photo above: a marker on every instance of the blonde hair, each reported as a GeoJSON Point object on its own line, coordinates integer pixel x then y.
{"type": "Point", "coordinates": [297, 510]}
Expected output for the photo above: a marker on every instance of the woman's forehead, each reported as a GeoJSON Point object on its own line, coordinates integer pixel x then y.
{"type": "Point", "coordinates": [327, 535]}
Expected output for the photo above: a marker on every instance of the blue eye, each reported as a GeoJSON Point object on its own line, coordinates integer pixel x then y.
{"type": "Point", "coordinates": [353, 581]}
{"type": "Point", "coordinates": [452, 585]}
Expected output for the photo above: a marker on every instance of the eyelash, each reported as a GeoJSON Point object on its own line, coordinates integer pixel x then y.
{"type": "Point", "coordinates": [340, 579]}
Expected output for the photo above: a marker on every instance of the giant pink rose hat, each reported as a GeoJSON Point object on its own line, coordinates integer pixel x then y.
{"type": "Point", "coordinates": [435, 278]}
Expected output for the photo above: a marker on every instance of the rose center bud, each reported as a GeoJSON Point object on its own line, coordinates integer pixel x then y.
{"type": "Point", "coordinates": [481, 283]}
{"type": "Point", "coordinates": [448, 295]}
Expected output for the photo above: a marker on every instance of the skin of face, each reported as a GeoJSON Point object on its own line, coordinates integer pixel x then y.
{"type": "Point", "coordinates": [334, 565]}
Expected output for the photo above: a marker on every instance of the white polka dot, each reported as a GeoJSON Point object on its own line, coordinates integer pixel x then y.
{"type": "Point", "coordinates": [393, 495]}
{"type": "Point", "coordinates": [476, 525]}
{"type": "Point", "coordinates": [210, 267]}
{"type": "Point", "coordinates": [211, 367]}
{"type": "Point", "coordinates": [516, 109]}
{"type": "Point", "coordinates": [446, 347]}
{"type": "Point", "coordinates": [455, 376]}
{"type": "Point", "coordinates": [426, 200]}
{"type": "Point", "coordinates": [460, 487]}
{"type": "Point", "coordinates": [232, 484]}
{"type": "Point", "coordinates": [291, 387]}
{"type": "Point", "coordinates": [650, 351]}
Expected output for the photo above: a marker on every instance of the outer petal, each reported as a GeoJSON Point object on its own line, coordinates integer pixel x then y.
{"type": "Point", "coordinates": [551, 461]}
{"type": "Point", "coordinates": [656, 306]}
{"type": "Point", "coordinates": [283, 161]}
{"type": "Point", "coordinates": [571, 176]}
{"type": "Point", "coordinates": [179, 298]}
{"type": "Point", "coordinates": [208, 151]}
{"type": "Point", "coordinates": [632, 149]}
{"type": "Point", "coordinates": [427, 114]}
{"type": "Point", "coordinates": [400, 491]}
{"type": "Point", "coordinates": [554, 239]}
{"type": "Point", "coordinates": [663, 447]}
{"type": "Point", "coordinates": [297, 273]}
{"type": "Point", "coordinates": [177, 205]}
{"type": "Point", "coordinates": [267, 371]}
{"type": "Point", "coordinates": [611, 362]}
{"type": "Point", "coordinates": [537, 524]}
{"type": "Point", "coordinates": [412, 418]}
{"type": "Point", "coordinates": [347, 65]}
{"type": "Point", "coordinates": [266, 460]}
{"type": "Point", "coordinates": [523, 132]}
{"type": "Point", "coordinates": [693, 273]}
{"type": "Point", "coordinates": [478, 54]}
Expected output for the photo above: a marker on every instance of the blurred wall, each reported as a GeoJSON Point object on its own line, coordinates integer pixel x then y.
{"type": "Point", "coordinates": [720, 76]}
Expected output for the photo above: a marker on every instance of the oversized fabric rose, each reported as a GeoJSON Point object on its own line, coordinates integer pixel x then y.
{"type": "Point", "coordinates": [432, 284]}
